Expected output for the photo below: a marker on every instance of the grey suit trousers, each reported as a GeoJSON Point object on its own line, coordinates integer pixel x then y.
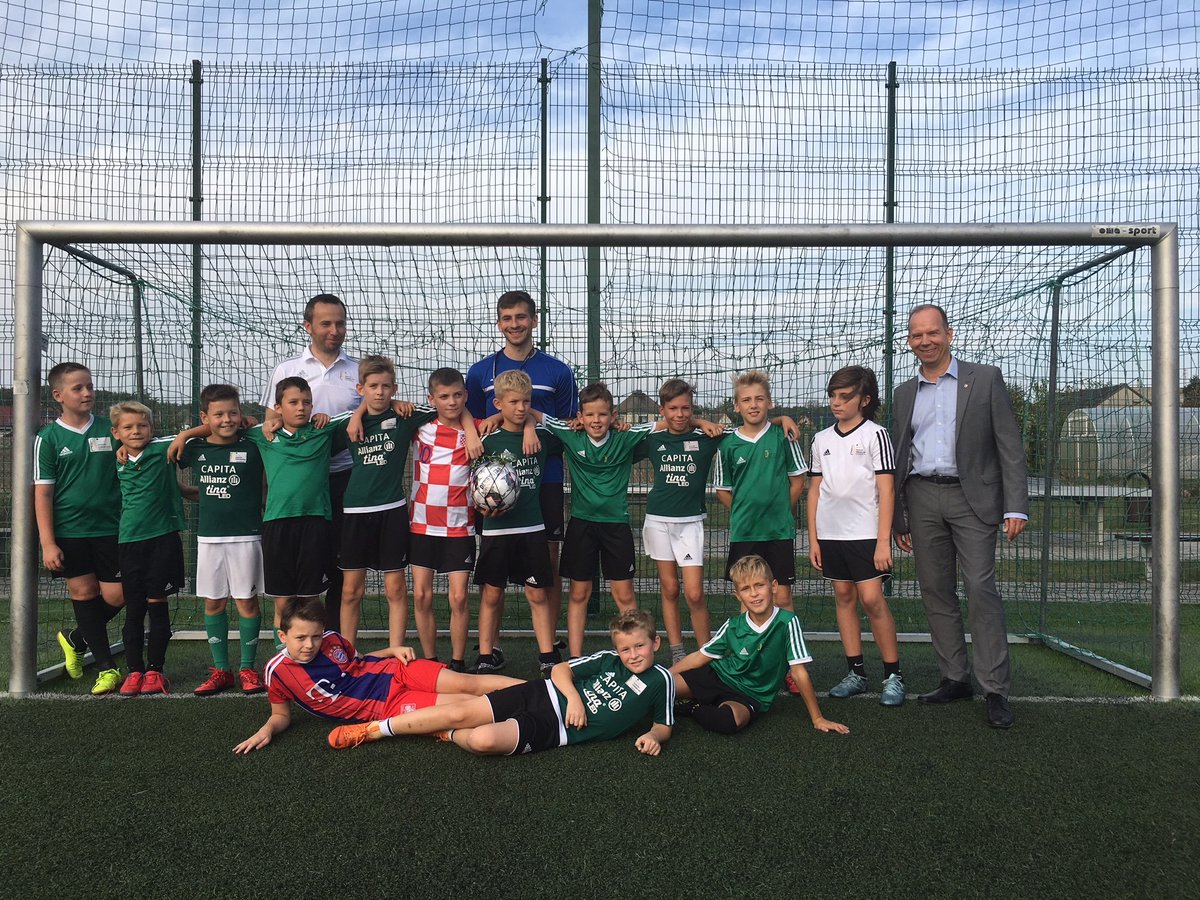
{"type": "Point", "coordinates": [945, 529]}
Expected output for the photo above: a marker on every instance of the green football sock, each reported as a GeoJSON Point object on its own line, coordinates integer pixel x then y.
{"type": "Point", "coordinates": [248, 629]}
{"type": "Point", "coordinates": [218, 638]}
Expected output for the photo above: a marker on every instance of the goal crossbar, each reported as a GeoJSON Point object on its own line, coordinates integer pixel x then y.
{"type": "Point", "coordinates": [1162, 239]}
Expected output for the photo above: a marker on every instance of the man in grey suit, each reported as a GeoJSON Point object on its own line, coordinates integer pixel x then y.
{"type": "Point", "coordinates": [960, 472]}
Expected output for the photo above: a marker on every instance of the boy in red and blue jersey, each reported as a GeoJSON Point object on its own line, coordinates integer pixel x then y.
{"type": "Point", "coordinates": [321, 671]}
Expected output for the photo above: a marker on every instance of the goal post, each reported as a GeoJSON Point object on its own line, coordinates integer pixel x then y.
{"type": "Point", "coordinates": [33, 238]}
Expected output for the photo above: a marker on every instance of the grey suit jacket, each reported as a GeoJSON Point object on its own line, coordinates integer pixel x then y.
{"type": "Point", "coordinates": [987, 445]}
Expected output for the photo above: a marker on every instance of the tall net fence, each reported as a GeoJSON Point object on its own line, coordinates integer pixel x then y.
{"type": "Point", "coordinates": [477, 112]}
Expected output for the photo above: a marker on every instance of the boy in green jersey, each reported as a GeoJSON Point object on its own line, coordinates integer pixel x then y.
{"type": "Point", "coordinates": [512, 549]}
{"type": "Point", "coordinates": [229, 559]}
{"type": "Point", "coordinates": [296, 521]}
{"type": "Point", "coordinates": [734, 678]}
{"type": "Point", "coordinates": [150, 551]}
{"type": "Point", "coordinates": [598, 533]}
{"type": "Point", "coordinates": [77, 502]}
{"type": "Point", "coordinates": [593, 698]}
{"type": "Point", "coordinates": [375, 510]}
{"type": "Point", "coordinates": [673, 533]}
{"type": "Point", "coordinates": [759, 477]}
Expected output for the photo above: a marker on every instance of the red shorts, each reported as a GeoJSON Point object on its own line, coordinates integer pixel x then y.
{"type": "Point", "coordinates": [414, 686]}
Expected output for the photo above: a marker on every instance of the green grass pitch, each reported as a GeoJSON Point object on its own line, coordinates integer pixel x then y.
{"type": "Point", "coordinates": [145, 798]}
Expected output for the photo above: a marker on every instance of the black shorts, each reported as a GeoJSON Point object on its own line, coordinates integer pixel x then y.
{"type": "Point", "coordinates": [97, 556]}
{"type": "Point", "coordinates": [551, 499]}
{"type": "Point", "coordinates": [849, 561]}
{"type": "Point", "coordinates": [514, 559]}
{"type": "Point", "coordinates": [709, 690]}
{"type": "Point", "coordinates": [375, 540]}
{"type": "Point", "coordinates": [295, 556]}
{"type": "Point", "coordinates": [537, 716]}
{"type": "Point", "coordinates": [780, 556]}
{"type": "Point", "coordinates": [442, 554]}
{"type": "Point", "coordinates": [152, 569]}
{"type": "Point", "coordinates": [611, 543]}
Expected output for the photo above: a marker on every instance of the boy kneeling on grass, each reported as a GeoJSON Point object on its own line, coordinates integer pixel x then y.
{"type": "Point", "coordinates": [321, 671]}
{"type": "Point", "coordinates": [590, 698]}
{"type": "Point", "coordinates": [735, 677]}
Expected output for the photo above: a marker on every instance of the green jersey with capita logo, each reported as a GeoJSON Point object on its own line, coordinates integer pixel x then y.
{"type": "Point", "coordinates": [616, 699]}
{"type": "Point", "coordinates": [526, 516]}
{"type": "Point", "coordinates": [297, 467]}
{"type": "Point", "coordinates": [81, 464]}
{"type": "Point", "coordinates": [680, 463]}
{"type": "Point", "coordinates": [756, 470]}
{"type": "Point", "coordinates": [150, 501]}
{"type": "Point", "coordinates": [753, 659]}
{"type": "Point", "coordinates": [379, 459]}
{"type": "Point", "coordinates": [599, 471]}
{"type": "Point", "coordinates": [230, 480]}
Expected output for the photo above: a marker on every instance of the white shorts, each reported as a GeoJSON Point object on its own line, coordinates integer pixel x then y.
{"type": "Point", "coordinates": [682, 542]}
{"type": "Point", "coordinates": [233, 569]}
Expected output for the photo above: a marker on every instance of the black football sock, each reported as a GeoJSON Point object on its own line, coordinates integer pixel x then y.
{"type": "Point", "coordinates": [856, 665]}
{"type": "Point", "coordinates": [715, 718]}
{"type": "Point", "coordinates": [133, 633]}
{"type": "Point", "coordinates": [891, 668]}
{"type": "Point", "coordinates": [552, 657]}
{"type": "Point", "coordinates": [93, 628]}
{"type": "Point", "coordinates": [160, 634]}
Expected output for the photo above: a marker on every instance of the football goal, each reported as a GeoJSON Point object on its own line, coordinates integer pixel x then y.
{"type": "Point", "coordinates": [1069, 312]}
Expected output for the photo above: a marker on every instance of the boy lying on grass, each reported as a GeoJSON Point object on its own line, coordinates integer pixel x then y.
{"type": "Point", "coordinates": [590, 698]}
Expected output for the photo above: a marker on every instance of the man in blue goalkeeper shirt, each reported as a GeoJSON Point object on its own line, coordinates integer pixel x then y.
{"type": "Point", "coordinates": [554, 393]}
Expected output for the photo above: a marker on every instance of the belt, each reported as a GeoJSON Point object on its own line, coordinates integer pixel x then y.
{"type": "Point", "coordinates": [938, 479]}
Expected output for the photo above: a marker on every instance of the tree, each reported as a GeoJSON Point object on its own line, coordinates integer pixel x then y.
{"type": "Point", "coordinates": [1190, 396]}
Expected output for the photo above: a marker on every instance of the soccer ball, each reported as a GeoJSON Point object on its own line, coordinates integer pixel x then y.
{"type": "Point", "coordinates": [495, 486]}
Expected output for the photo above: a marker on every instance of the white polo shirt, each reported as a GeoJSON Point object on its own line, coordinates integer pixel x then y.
{"type": "Point", "coordinates": [334, 389]}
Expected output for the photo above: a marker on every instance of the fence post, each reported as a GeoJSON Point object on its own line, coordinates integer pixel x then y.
{"type": "Point", "coordinates": [593, 188]}
{"type": "Point", "coordinates": [889, 264]}
{"type": "Point", "coordinates": [544, 205]}
{"type": "Point", "coordinates": [197, 199]}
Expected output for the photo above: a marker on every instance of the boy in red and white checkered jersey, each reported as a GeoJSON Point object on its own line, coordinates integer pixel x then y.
{"type": "Point", "coordinates": [442, 520]}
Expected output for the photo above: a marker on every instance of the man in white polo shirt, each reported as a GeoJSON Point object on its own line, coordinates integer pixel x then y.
{"type": "Point", "coordinates": [333, 377]}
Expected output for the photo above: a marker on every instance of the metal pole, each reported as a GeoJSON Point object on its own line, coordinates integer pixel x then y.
{"type": "Point", "coordinates": [1050, 450]}
{"type": "Point", "coordinates": [544, 204]}
{"type": "Point", "coordinates": [595, 9]}
{"type": "Point", "coordinates": [378, 234]}
{"type": "Point", "coordinates": [27, 379]}
{"type": "Point", "coordinates": [889, 262]}
{"type": "Point", "coordinates": [1164, 477]}
{"type": "Point", "coordinates": [197, 199]}
{"type": "Point", "coordinates": [138, 368]}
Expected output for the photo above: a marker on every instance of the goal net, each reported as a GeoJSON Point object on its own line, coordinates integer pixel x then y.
{"type": "Point", "coordinates": [1067, 313]}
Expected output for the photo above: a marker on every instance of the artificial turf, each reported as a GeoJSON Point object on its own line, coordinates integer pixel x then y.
{"type": "Point", "coordinates": [145, 798]}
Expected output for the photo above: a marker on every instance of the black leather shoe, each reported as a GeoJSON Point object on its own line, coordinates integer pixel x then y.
{"type": "Point", "coordinates": [999, 713]}
{"type": "Point", "coordinates": [948, 691]}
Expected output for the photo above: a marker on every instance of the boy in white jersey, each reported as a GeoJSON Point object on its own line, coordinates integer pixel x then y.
{"type": "Point", "coordinates": [513, 546]}
{"type": "Point", "coordinates": [149, 547]}
{"type": "Point", "coordinates": [734, 678]}
{"type": "Point", "coordinates": [229, 559]}
{"type": "Point", "coordinates": [77, 501]}
{"type": "Point", "coordinates": [596, 697]}
{"type": "Point", "coordinates": [850, 503]}
{"type": "Point", "coordinates": [441, 518]}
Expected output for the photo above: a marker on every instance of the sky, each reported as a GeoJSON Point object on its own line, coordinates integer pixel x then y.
{"type": "Point", "coordinates": [982, 34]}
